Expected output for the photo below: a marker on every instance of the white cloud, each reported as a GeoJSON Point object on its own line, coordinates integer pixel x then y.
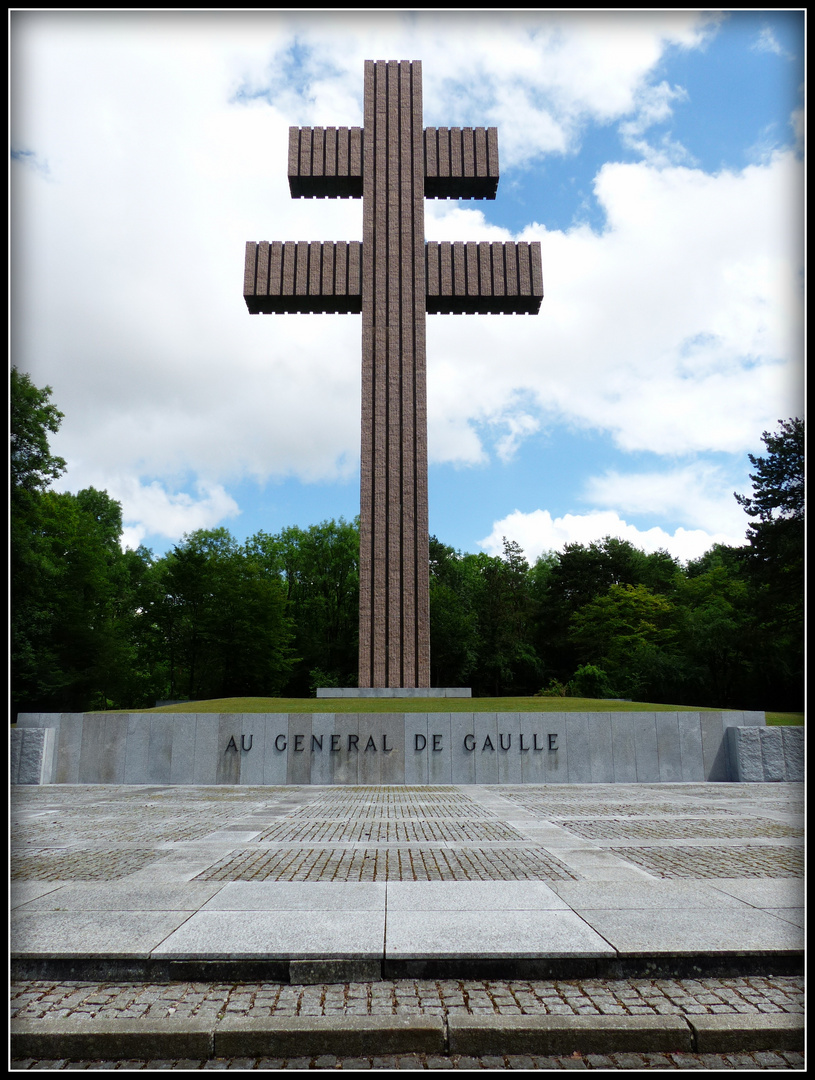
{"type": "Point", "coordinates": [537, 532]}
{"type": "Point", "coordinates": [655, 107]}
{"type": "Point", "coordinates": [698, 494]}
{"type": "Point", "coordinates": [766, 41]}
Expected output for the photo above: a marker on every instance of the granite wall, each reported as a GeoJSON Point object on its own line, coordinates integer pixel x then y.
{"type": "Point", "coordinates": [397, 748]}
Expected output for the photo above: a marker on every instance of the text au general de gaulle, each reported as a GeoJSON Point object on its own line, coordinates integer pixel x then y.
{"type": "Point", "coordinates": [421, 742]}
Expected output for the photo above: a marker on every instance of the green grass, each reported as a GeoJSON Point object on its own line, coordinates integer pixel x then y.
{"type": "Point", "coordinates": [792, 719]}
{"type": "Point", "coordinates": [405, 705]}
{"type": "Point", "coordinates": [420, 705]}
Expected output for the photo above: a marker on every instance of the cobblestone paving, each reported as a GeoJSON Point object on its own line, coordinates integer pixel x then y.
{"type": "Point", "coordinates": [604, 1062]}
{"type": "Point", "coordinates": [395, 812]}
{"type": "Point", "coordinates": [133, 821]}
{"type": "Point", "coordinates": [714, 862]}
{"type": "Point", "coordinates": [388, 864]}
{"type": "Point", "coordinates": [38, 999]}
{"type": "Point", "coordinates": [381, 833]}
{"type": "Point", "coordinates": [77, 864]}
{"type": "Point", "coordinates": [680, 828]}
{"type": "Point", "coordinates": [388, 832]}
{"type": "Point", "coordinates": [393, 803]}
{"type": "Point", "coordinates": [646, 800]}
{"type": "Point", "coordinates": [555, 807]}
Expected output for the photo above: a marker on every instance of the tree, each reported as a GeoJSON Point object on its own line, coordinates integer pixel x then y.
{"type": "Point", "coordinates": [777, 538]}
{"type": "Point", "coordinates": [33, 466]}
{"type": "Point", "coordinates": [717, 632]}
{"type": "Point", "coordinates": [778, 483]}
{"type": "Point", "coordinates": [223, 620]}
{"type": "Point", "coordinates": [76, 596]}
{"type": "Point", "coordinates": [453, 619]}
{"type": "Point", "coordinates": [565, 582]}
{"type": "Point", "coordinates": [507, 661]}
{"type": "Point", "coordinates": [33, 469]}
{"type": "Point", "coordinates": [775, 559]}
{"type": "Point", "coordinates": [319, 568]}
{"type": "Point", "coordinates": [629, 633]}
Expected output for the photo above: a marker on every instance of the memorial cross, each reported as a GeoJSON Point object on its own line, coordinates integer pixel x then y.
{"type": "Point", "coordinates": [393, 277]}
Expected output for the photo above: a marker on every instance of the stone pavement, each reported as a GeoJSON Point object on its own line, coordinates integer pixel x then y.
{"type": "Point", "coordinates": [365, 923]}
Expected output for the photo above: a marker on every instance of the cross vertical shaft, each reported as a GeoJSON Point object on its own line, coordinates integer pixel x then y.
{"type": "Point", "coordinates": [394, 630]}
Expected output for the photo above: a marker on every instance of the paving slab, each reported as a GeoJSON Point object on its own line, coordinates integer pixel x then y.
{"type": "Point", "coordinates": [276, 935]}
{"type": "Point", "coordinates": [792, 915]}
{"type": "Point", "coordinates": [643, 895]}
{"type": "Point", "coordinates": [495, 896]}
{"type": "Point", "coordinates": [299, 896]}
{"type": "Point", "coordinates": [91, 933]}
{"type": "Point", "coordinates": [484, 935]}
{"type": "Point", "coordinates": [764, 892]}
{"type": "Point", "coordinates": [124, 896]}
{"type": "Point", "coordinates": [691, 932]}
{"type": "Point", "coordinates": [23, 892]}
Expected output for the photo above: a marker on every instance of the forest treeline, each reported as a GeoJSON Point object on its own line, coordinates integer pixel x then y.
{"type": "Point", "coordinates": [96, 627]}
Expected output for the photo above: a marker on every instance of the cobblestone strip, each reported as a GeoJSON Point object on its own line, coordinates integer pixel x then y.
{"type": "Point", "coordinates": [759, 1060]}
{"type": "Point", "coordinates": [679, 828]}
{"type": "Point", "coordinates": [384, 832]}
{"type": "Point", "coordinates": [716, 862]}
{"type": "Point", "coordinates": [74, 864]}
{"type": "Point", "coordinates": [387, 864]}
{"type": "Point", "coordinates": [43, 999]}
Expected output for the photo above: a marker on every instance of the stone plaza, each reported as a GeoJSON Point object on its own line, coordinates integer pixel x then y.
{"type": "Point", "coordinates": [442, 920]}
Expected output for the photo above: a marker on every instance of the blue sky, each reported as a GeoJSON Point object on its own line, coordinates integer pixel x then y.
{"type": "Point", "coordinates": [657, 157]}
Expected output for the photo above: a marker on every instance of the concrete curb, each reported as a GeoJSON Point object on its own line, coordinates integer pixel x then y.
{"type": "Point", "coordinates": [110, 1040]}
{"type": "Point", "coordinates": [311, 971]}
{"type": "Point", "coordinates": [341, 1035]}
{"type": "Point", "coordinates": [723, 1033]}
{"type": "Point", "coordinates": [477, 1035]}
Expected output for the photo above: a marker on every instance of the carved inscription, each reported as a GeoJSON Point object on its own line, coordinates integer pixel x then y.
{"type": "Point", "coordinates": [420, 742]}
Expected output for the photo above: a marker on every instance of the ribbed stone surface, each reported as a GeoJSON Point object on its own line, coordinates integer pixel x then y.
{"type": "Point", "coordinates": [394, 164]}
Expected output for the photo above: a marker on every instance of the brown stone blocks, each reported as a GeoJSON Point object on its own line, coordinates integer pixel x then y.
{"type": "Point", "coordinates": [485, 278]}
{"type": "Point", "coordinates": [461, 163]}
{"type": "Point", "coordinates": [393, 278]}
{"type": "Point", "coordinates": [303, 277]}
{"type": "Point", "coordinates": [393, 377]}
{"type": "Point", "coordinates": [325, 163]}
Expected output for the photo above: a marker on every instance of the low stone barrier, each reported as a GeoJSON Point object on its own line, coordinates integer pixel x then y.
{"type": "Point", "coordinates": [766, 754]}
{"type": "Point", "coordinates": [396, 748]}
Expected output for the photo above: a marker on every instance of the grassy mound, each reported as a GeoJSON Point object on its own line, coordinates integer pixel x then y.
{"type": "Point", "coordinates": [418, 705]}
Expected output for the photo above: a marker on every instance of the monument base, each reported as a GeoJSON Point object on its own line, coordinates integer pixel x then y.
{"type": "Point", "coordinates": [414, 748]}
{"type": "Point", "coordinates": [394, 691]}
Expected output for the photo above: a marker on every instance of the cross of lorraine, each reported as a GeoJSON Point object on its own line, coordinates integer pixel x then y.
{"type": "Point", "coordinates": [393, 277]}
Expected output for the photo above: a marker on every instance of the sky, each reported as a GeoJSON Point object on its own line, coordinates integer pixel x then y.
{"type": "Point", "coordinates": [657, 157]}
